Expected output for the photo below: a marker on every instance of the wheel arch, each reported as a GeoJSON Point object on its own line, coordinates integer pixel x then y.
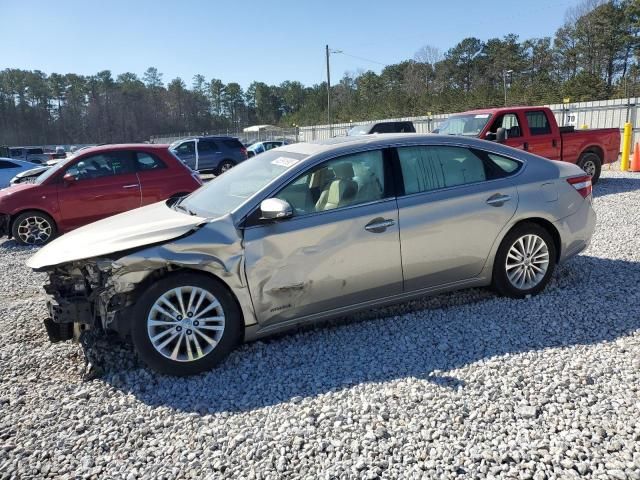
{"type": "Point", "coordinates": [15, 215]}
{"type": "Point", "coordinates": [123, 326]}
{"type": "Point", "coordinates": [547, 225]}
{"type": "Point", "coordinates": [598, 150]}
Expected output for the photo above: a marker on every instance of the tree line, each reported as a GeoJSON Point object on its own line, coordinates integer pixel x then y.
{"type": "Point", "coordinates": [595, 55]}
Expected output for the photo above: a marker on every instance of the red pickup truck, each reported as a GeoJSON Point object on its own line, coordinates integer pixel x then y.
{"type": "Point", "coordinates": [535, 129]}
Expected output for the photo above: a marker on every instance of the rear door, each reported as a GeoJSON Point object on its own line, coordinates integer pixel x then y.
{"type": "Point", "coordinates": [105, 184]}
{"type": "Point", "coordinates": [209, 154]}
{"type": "Point", "coordinates": [155, 182]}
{"type": "Point", "coordinates": [455, 203]}
{"type": "Point", "coordinates": [540, 136]}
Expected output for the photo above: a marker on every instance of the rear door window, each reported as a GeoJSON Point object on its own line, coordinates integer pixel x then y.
{"type": "Point", "coordinates": [207, 146]}
{"type": "Point", "coordinates": [434, 167]}
{"type": "Point", "coordinates": [146, 161]}
{"type": "Point", "coordinates": [538, 123]}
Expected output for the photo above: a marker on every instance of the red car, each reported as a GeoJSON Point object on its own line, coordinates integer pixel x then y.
{"type": "Point", "coordinates": [99, 182]}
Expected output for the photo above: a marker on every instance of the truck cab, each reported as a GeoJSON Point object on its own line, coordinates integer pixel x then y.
{"type": "Point", "coordinates": [535, 130]}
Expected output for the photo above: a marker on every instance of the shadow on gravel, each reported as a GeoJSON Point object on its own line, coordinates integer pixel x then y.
{"type": "Point", "coordinates": [613, 185]}
{"type": "Point", "coordinates": [424, 339]}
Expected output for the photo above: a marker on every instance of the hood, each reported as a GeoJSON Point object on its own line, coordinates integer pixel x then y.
{"type": "Point", "coordinates": [136, 228]}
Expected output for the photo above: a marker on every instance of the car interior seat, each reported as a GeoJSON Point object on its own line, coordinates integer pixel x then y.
{"type": "Point", "coordinates": [341, 191]}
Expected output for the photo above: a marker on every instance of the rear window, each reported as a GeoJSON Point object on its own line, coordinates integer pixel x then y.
{"type": "Point", "coordinates": [232, 143]}
{"type": "Point", "coordinates": [538, 123]}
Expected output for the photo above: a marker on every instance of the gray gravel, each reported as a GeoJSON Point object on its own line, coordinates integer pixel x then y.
{"type": "Point", "coordinates": [463, 385]}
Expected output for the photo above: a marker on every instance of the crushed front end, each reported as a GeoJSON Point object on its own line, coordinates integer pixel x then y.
{"type": "Point", "coordinates": [81, 297]}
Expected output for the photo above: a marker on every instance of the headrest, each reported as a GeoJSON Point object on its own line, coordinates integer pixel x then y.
{"type": "Point", "coordinates": [343, 170]}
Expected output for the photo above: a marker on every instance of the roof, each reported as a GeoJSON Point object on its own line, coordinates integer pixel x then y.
{"type": "Point", "coordinates": [498, 109]}
{"type": "Point", "coordinates": [124, 146]}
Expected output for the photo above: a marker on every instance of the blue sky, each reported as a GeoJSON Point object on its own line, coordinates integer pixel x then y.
{"type": "Point", "coordinates": [242, 41]}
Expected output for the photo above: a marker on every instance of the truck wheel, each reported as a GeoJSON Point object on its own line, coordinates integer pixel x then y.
{"type": "Point", "coordinates": [33, 228]}
{"type": "Point", "coordinates": [590, 162]}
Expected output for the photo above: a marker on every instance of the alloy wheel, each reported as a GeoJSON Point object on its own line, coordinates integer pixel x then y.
{"type": "Point", "coordinates": [527, 262]}
{"type": "Point", "coordinates": [34, 230]}
{"type": "Point", "coordinates": [185, 324]}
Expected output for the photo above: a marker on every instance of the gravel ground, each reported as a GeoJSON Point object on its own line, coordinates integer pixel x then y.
{"type": "Point", "coordinates": [462, 385]}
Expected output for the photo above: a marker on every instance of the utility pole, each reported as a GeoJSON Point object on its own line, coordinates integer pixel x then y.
{"type": "Point", "coordinates": [328, 90]}
{"type": "Point", "coordinates": [504, 83]}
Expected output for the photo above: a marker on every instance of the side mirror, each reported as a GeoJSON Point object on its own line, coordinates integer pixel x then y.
{"type": "Point", "coordinates": [69, 179]}
{"type": "Point", "coordinates": [275, 209]}
{"type": "Point", "coordinates": [491, 136]}
{"type": "Point", "coordinates": [501, 135]}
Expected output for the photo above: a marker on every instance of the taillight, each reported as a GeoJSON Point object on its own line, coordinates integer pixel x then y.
{"type": "Point", "coordinates": [582, 184]}
{"type": "Point", "coordinates": [243, 151]}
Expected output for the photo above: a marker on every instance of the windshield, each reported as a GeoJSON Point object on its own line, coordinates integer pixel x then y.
{"type": "Point", "coordinates": [49, 172]}
{"type": "Point", "coordinates": [359, 130]}
{"type": "Point", "coordinates": [228, 191]}
{"type": "Point", "coordinates": [469, 125]}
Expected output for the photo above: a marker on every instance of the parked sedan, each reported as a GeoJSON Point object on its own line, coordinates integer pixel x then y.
{"type": "Point", "coordinates": [10, 167]}
{"type": "Point", "coordinates": [95, 184]}
{"type": "Point", "coordinates": [312, 231]}
{"type": "Point", "coordinates": [259, 147]}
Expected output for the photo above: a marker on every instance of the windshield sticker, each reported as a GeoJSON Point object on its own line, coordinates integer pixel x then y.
{"type": "Point", "coordinates": [284, 162]}
{"type": "Point", "coordinates": [482, 115]}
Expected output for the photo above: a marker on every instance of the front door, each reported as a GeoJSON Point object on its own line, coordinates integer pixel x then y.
{"type": "Point", "coordinates": [104, 184]}
{"type": "Point", "coordinates": [541, 140]}
{"type": "Point", "coordinates": [456, 203]}
{"type": "Point", "coordinates": [341, 247]}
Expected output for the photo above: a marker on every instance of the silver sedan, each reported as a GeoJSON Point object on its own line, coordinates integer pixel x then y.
{"type": "Point", "coordinates": [311, 231]}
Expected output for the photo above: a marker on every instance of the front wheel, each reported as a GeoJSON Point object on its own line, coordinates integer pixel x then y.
{"type": "Point", "coordinates": [33, 228]}
{"type": "Point", "coordinates": [591, 164]}
{"type": "Point", "coordinates": [185, 324]}
{"type": "Point", "coordinates": [524, 262]}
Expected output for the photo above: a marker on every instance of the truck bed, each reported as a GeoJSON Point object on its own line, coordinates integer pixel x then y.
{"type": "Point", "coordinates": [606, 140]}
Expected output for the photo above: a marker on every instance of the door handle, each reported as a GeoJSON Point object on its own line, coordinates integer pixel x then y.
{"type": "Point", "coordinates": [379, 225]}
{"type": "Point", "coordinates": [554, 143]}
{"type": "Point", "coordinates": [498, 200]}
{"type": "Point", "coordinates": [525, 146]}
{"type": "Point", "coordinates": [131, 186]}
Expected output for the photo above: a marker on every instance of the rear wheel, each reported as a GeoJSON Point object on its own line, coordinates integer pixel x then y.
{"type": "Point", "coordinates": [224, 166]}
{"type": "Point", "coordinates": [185, 324]}
{"type": "Point", "coordinates": [524, 262]}
{"type": "Point", "coordinates": [33, 228]}
{"type": "Point", "coordinates": [590, 162]}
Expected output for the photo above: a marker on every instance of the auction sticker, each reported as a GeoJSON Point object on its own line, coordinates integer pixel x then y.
{"type": "Point", "coordinates": [284, 162]}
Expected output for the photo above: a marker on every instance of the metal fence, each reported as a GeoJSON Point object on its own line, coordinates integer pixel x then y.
{"type": "Point", "coordinates": [597, 114]}
{"type": "Point", "coordinates": [289, 135]}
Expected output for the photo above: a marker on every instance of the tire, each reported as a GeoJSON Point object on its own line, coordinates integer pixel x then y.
{"type": "Point", "coordinates": [224, 166]}
{"type": "Point", "coordinates": [188, 335]}
{"type": "Point", "coordinates": [33, 228]}
{"type": "Point", "coordinates": [590, 162]}
{"type": "Point", "coordinates": [512, 284]}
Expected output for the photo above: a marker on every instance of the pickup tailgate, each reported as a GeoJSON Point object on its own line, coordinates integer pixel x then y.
{"type": "Point", "coordinates": [605, 140]}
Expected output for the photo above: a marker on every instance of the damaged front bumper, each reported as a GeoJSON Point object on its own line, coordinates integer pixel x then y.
{"type": "Point", "coordinates": [80, 299]}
